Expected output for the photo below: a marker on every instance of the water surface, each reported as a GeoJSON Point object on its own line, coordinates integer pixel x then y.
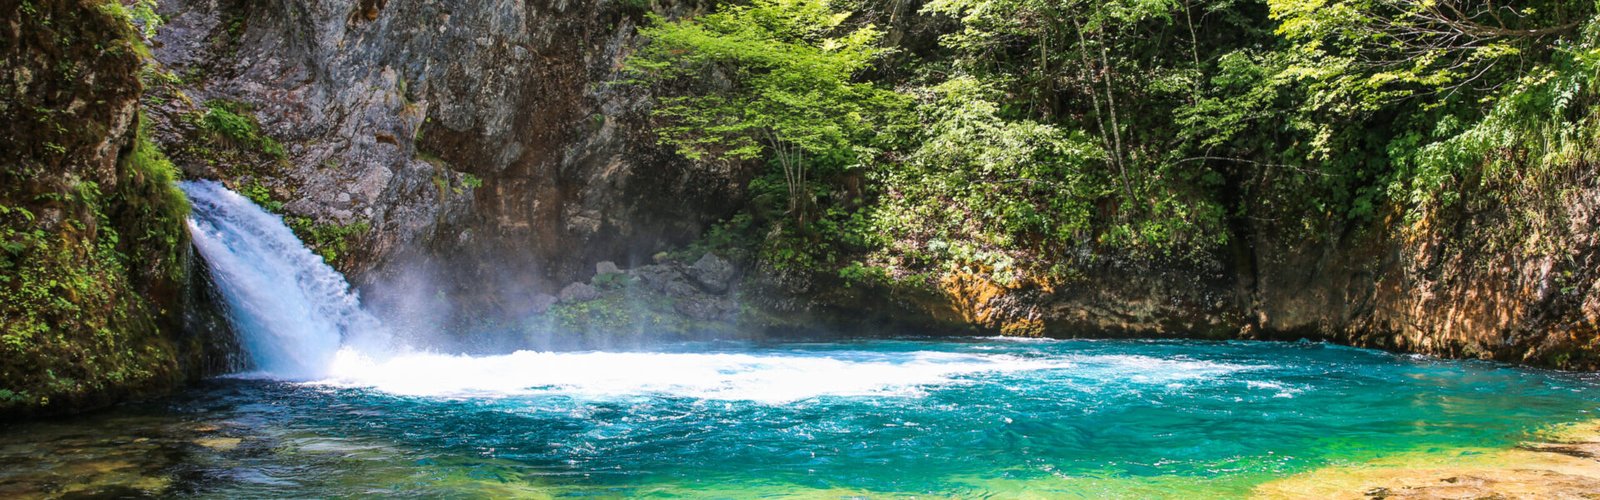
{"type": "Point", "coordinates": [962, 418]}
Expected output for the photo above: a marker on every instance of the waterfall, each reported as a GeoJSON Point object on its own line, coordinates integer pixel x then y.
{"type": "Point", "coordinates": [292, 311]}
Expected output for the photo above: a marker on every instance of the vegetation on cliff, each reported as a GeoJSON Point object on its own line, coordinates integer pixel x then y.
{"type": "Point", "coordinates": [92, 243]}
{"type": "Point", "coordinates": [1038, 130]}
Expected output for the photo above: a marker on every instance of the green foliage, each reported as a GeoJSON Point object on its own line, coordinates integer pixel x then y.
{"type": "Point", "coordinates": [73, 303]}
{"type": "Point", "coordinates": [91, 254]}
{"type": "Point", "coordinates": [1042, 135]}
{"type": "Point", "coordinates": [234, 124]}
{"type": "Point", "coordinates": [152, 209]}
{"type": "Point", "coordinates": [1538, 126]}
{"type": "Point", "coordinates": [261, 195]}
{"type": "Point", "coordinates": [980, 190]}
{"type": "Point", "coordinates": [330, 241]}
{"type": "Point", "coordinates": [140, 15]}
{"type": "Point", "coordinates": [1360, 55]}
{"type": "Point", "coordinates": [791, 95]}
{"type": "Point", "coordinates": [1388, 91]}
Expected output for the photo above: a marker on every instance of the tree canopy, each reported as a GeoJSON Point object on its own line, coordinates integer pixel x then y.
{"type": "Point", "coordinates": [1154, 129]}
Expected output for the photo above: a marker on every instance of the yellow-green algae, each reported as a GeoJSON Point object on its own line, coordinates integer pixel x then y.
{"type": "Point", "coordinates": [1561, 464]}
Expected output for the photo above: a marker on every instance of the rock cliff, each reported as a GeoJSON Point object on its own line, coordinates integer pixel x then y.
{"type": "Point", "coordinates": [483, 147]}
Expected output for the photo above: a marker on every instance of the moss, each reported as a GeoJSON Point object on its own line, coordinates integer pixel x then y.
{"type": "Point", "coordinates": [446, 180]}
{"type": "Point", "coordinates": [151, 210]}
{"type": "Point", "coordinates": [91, 246]}
{"type": "Point", "coordinates": [75, 325]}
{"type": "Point", "coordinates": [234, 124]}
{"type": "Point", "coordinates": [330, 241]}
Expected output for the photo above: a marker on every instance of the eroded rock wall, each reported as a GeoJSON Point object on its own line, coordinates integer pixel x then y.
{"type": "Point", "coordinates": [1512, 277]}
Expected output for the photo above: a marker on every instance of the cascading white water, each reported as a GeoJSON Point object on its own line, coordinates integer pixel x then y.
{"type": "Point", "coordinates": [292, 311]}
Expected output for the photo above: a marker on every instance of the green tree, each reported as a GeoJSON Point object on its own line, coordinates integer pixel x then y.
{"type": "Point", "coordinates": [980, 190]}
{"type": "Point", "coordinates": [776, 80]}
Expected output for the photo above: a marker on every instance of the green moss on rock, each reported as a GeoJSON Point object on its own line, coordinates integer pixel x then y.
{"type": "Point", "coordinates": [92, 243]}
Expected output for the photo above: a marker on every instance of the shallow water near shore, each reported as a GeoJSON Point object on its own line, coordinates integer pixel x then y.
{"type": "Point", "coordinates": [946, 418]}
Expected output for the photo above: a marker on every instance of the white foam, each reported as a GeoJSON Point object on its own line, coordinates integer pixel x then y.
{"type": "Point", "coordinates": [1163, 371]}
{"type": "Point", "coordinates": [1282, 391]}
{"type": "Point", "coordinates": [750, 377]}
{"type": "Point", "coordinates": [768, 377]}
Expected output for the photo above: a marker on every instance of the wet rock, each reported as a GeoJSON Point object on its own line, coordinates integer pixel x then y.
{"type": "Point", "coordinates": [578, 292]}
{"type": "Point", "coordinates": [665, 280]}
{"type": "Point", "coordinates": [714, 274]}
{"type": "Point", "coordinates": [704, 308]}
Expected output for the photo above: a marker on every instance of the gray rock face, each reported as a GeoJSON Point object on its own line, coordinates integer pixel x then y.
{"type": "Point", "coordinates": [664, 279]}
{"type": "Point", "coordinates": [541, 303]}
{"type": "Point", "coordinates": [578, 292]}
{"type": "Point", "coordinates": [705, 308]}
{"type": "Point", "coordinates": [714, 274]}
{"type": "Point", "coordinates": [464, 132]}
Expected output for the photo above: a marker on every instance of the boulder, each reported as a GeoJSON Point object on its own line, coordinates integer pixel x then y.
{"type": "Point", "coordinates": [712, 273]}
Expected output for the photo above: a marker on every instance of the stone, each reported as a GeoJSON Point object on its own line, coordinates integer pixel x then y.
{"type": "Point", "coordinates": [219, 443]}
{"type": "Point", "coordinates": [714, 274]}
{"type": "Point", "coordinates": [541, 303]}
{"type": "Point", "coordinates": [703, 308]}
{"type": "Point", "coordinates": [605, 267]}
{"type": "Point", "coordinates": [578, 292]}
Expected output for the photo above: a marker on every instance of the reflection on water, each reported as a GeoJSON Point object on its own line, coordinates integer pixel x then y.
{"type": "Point", "coordinates": [958, 418]}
